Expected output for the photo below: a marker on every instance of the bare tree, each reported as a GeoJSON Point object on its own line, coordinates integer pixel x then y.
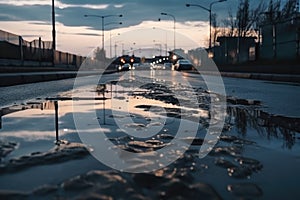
{"type": "Point", "coordinates": [216, 29]}
{"type": "Point", "coordinates": [243, 18]}
{"type": "Point", "coordinates": [99, 54]}
{"type": "Point", "coordinates": [273, 13]}
{"type": "Point", "coordinates": [289, 9]}
{"type": "Point", "coordinates": [246, 21]}
{"type": "Point", "coordinates": [258, 15]}
{"type": "Point", "coordinates": [229, 25]}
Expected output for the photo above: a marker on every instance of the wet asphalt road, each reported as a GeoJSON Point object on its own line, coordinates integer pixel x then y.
{"type": "Point", "coordinates": [277, 98]}
{"type": "Point", "coordinates": [277, 164]}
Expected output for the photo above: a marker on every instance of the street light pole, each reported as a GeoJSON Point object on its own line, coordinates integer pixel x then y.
{"type": "Point", "coordinates": [110, 45]}
{"type": "Point", "coordinates": [210, 15]}
{"type": "Point", "coordinates": [102, 18]}
{"type": "Point", "coordinates": [110, 36]}
{"type": "Point", "coordinates": [116, 47]}
{"type": "Point", "coordinates": [158, 43]}
{"type": "Point", "coordinates": [102, 33]}
{"type": "Point", "coordinates": [53, 33]}
{"type": "Point", "coordinates": [173, 27]}
{"type": "Point", "coordinates": [53, 26]}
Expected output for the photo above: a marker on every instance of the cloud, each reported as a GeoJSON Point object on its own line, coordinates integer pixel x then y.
{"type": "Point", "coordinates": [85, 34]}
{"type": "Point", "coordinates": [35, 16]}
{"type": "Point", "coordinates": [58, 4]}
{"type": "Point", "coordinates": [119, 5]}
{"type": "Point", "coordinates": [71, 13]}
{"type": "Point", "coordinates": [25, 3]}
{"type": "Point", "coordinates": [90, 6]}
{"type": "Point", "coordinates": [196, 24]}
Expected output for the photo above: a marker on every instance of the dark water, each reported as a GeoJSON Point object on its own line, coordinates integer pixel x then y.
{"type": "Point", "coordinates": [256, 156]}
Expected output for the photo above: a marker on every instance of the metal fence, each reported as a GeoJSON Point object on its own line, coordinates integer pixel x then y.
{"type": "Point", "coordinates": [14, 47]}
{"type": "Point", "coordinates": [9, 37]}
{"type": "Point", "coordinates": [280, 40]}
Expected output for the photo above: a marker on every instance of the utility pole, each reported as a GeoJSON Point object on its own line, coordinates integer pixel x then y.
{"type": "Point", "coordinates": [53, 33]}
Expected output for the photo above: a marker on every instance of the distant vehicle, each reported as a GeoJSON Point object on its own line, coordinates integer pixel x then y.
{"type": "Point", "coordinates": [183, 65]}
{"type": "Point", "coordinates": [124, 67]}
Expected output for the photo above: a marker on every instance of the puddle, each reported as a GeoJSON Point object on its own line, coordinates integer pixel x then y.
{"type": "Point", "coordinates": [272, 127]}
{"type": "Point", "coordinates": [235, 168]}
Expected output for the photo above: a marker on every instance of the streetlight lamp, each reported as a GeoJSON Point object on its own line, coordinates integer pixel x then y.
{"type": "Point", "coordinates": [174, 26]}
{"type": "Point", "coordinates": [210, 16]}
{"type": "Point", "coordinates": [103, 17]}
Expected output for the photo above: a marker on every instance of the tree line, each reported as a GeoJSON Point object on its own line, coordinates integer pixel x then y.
{"type": "Point", "coordinates": [246, 21]}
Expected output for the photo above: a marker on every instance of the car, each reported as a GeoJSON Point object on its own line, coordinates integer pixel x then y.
{"type": "Point", "coordinates": [124, 67]}
{"type": "Point", "coordinates": [183, 64]}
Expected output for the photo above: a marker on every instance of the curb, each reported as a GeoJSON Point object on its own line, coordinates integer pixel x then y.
{"type": "Point", "coordinates": [25, 78]}
{"type": "Point", "coordinates": [257, 76]}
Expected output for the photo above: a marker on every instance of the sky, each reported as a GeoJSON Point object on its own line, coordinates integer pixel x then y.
{"type": "Point", "coordinates": [140, 26]}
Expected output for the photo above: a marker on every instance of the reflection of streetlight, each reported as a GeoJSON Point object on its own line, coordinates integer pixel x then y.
{"type": "Point", "coordinates": [174, 26]}
{"type": "Point", "coordinates": [210, 17]}
{"type": "Point", "coordinates": [102, 17]}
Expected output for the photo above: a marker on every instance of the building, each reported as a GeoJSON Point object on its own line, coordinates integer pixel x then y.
{"type": "Point", "coordinates": [234, 50]}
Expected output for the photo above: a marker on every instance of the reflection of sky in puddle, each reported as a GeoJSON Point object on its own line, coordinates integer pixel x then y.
{"type": "Point", "coordinates": [36, 124]}
{"type": "Point", "coordinates": [273, 148]}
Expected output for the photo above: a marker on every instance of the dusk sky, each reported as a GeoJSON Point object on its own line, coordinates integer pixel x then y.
{"type": "Point", "coordinates": [141, 28]}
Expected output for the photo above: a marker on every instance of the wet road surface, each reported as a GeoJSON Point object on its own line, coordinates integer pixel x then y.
{"type": "Point", "coordinates": [255, 157]}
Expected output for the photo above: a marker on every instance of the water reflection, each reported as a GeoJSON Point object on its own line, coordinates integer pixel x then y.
{"type": "Point", "coordinates": [269, 125]}
{"type": "Point", "coordinates": [48, 105]}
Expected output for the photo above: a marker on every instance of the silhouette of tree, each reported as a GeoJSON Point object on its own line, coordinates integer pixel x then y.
{"type": "Point", "coordinates": [243, 18]}
{"type": "Point", "coordinates": [99, 54]}
{"type": "Point", "coordinates": [246, 21]}
{"type": "Point", "coordinates": [216, 29]}
{"type": "Point", "coordinates": [229, 25]}
{"type": "Point", "coordinates": [273, 14]}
